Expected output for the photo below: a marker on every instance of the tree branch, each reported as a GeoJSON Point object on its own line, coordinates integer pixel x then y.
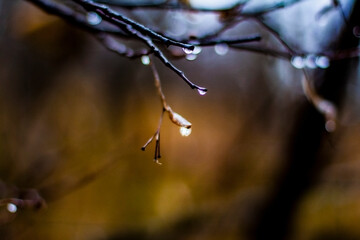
{"type": "Point", "coordinates": [124, 22]}
{"type": "Point", "coordinates": [74, 18]}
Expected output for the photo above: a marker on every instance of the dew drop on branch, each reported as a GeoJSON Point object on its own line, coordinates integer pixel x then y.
{"type": "Point", "coordinates": [298, 62]}
{"type": "Point", "coordinates": [221, 49]}
{"type": "Point", "coordinates": [12, 208]}
{"type": "Point", "coordinates": [188, 51]}
{"type": "Point", "coordinates": [330, 126]}
{"type": "Point", "coordinates": [93, 18]}
{"type": "Point", "coordinates": [197, 50]}
{"type": "Point", "coordinates": [145, 60]}
{"type": "Point", "coordinates": [310, 61]}
{"type": "Point", "coordinates": [322, 62]}
{"type": "Point", "coordinates": [201, 92]}
{"type": "Point", "coordinates": [184, 131]}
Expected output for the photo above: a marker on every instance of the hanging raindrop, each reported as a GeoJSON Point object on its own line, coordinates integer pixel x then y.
{"type": "Point", "coordinates": [188, 51]}
{"type": "Point", "coordinates": [145, 60]}
{"type": "Point", "coordinates": [330, 126]}
{"type": "Point", "coordinates": [202, 92]}
{"type": "Point", "coordinates": [221, 49]}
{"type": "Point", "coordinates": [184, 131]}
{"type": "Point", "coordinates": [298, 62]}
{"type": "Point", "coordinates": [322, 62]}
{"type": "Point", "coordinates": [191, 57]}
{"type": "Point", "coordinates": [310, 61]}
{"type": "Point", "coordinates": [93, 18]}
{"type": "Point", "coordinates": [11, 207]}
{"type": "Point", "coordinates": [197, 50]}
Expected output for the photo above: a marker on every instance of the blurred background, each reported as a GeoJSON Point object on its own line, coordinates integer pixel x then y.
{"type": "Point", "coordinates": [74, 116]}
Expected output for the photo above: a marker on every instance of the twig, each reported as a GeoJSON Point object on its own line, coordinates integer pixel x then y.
{"type": "Point", "coordinates": [158, 53]}
{"type": "Point", "coordinates": [214, 41]}
{"type": "Point", "coordinates": [337, 4]}
{"type": "Point", "coordinates": [157, 83]}
{"type": "Point", "coordinates": [53, 191]}
{"type": "Point", "coordinates": [156, 136]}
{"type": "Point", "coordinates": [142, 33]}
{"type": "Point", "coordinates": [74, 18]}
{"type": "Point", "coordinates": [276, 35]}
{"type": "Point", "coordinates": [124, 22]}
{"type": "Point", "coordinates": [174, 117]}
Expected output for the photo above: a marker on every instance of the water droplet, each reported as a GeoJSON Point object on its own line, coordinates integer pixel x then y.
{"type": "Point", "coordinates": [187, 51]}
{"type": "Point", "coordinates": [93, 18]}
{"type": "Point", "coordinates": [191, 57]}
{"type": "Point", "coordinates": [310, 61]}
{"type": "Point", "coordinates": [145, 60]}
{"type": "Point", "coordinates": [184, 131]}
{"type": "Point", "coordinates": [202, 92]}
{"type": "Point", "coordinates": [11, 207]}
{"type": "Point", "coordinates": [221, 49]}
{"type": "Point", "coordinates": [330, 126]}
{"type": "Point", "coordinates": [298, 62]}
{"type": "Point", "coordinates": [197, 50]}
{"type": "Point", "coordinates": [322, 62]}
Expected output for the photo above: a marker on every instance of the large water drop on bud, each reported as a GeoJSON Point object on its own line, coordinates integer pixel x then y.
{"type": "Point", "coordinates": [93, 18]}
{"type": "Point", "coordinates": [184, 131]}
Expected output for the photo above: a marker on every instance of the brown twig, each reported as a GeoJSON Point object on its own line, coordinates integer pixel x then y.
{"type": "Point", "coordinates": [176, 118]}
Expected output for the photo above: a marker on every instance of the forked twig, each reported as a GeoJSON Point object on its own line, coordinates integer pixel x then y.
{"type": "Point", "coordinates": [176, 118]}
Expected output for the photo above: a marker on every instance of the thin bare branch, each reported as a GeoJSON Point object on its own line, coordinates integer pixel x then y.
{"type": "Point", "coordinates": [214, 41]}
{"type": "Point", "coordinates": [157, 83]}
{"type": "Point", "coordinates": [176, 118]}
{"type": "Point", "coordinates": [142, 33]}
{"type": "Point", "coordinates": [74, 18]}
{"type": "Point", "coordinates": [276, 35]}
{"type": "Point", "coordinates": [158, 53]}
{"type": "Point", "coordinates": [124, 22]}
